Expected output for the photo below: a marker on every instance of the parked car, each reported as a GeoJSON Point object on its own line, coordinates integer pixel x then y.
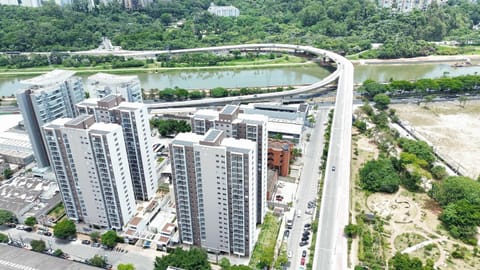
{"type": "Point", "coordinates": [303, 243]}
{"type": "Point", "coordinates": [304, 253]}
{"type": "Point", "coordinates": [302, 261]}
{"type": "Point", "coordinates": [286, 233]}
{"type": "Point", "coordinates": [333, 168]}
{"type": "Point", "coordinates": [306, 233]}
{"type": "Point", "coordinates": [11, 225]}
{"type": "Point", "coordinates": [305, 238]}
{"type": "Point", "coordinates": [47, 233]}
{"type": "Point", "coordinates": [307, 226]}
{"type": "Point", "coordinates": [27, 228]}
{"type": "Point", "coordinates": [96, 245]}
{"type": "Point", "coordinates": [86, 242]}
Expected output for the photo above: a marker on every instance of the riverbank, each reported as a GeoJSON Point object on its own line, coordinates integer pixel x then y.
{"type": "Point", "coordinates": [87, 71]}
{"type": "Point", "coordinates": [417, 60]}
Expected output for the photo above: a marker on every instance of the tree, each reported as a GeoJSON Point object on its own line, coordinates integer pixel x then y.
{"type": "Point", "coordinates": [225, 263]}
{"type": "Point", "coordinates": [30, 221]}
{"type": "Point", "coordinates": [218, 92]}
{"type": "Point", "coordinates": [405, 262]}
{"type": "Point", "coordinates": [110, 239]}
{"type": "Point", "coordinates": [65, 229]}
{"type": "Point", "coordinates": [456, 188]}
{"type": "Point", "coordinates": [379, 175]}
{"type": "Point", "coordinates": [462, 100]}
{"type": "Point", "coordinates": [6, 217]}
{"type": "Point", "coordinates": [420, 148]}
{"type": "Point", "coordinates": [352, 230]}
{"type": "Point", "coordinates": [126, 267]}
{"type": "Point", "coordinates": [38, 245]}
{"type": "Point", "coordinates": [461, 219]}
{"type": "Point", "coordinates": [193, 259]}
{"type": "Point", "coordinates": [58, 252]}
{"type": "Point", "coordinates": [439, 172]}
{"type": "Point", "coordinates": [94, 236]}
{"type": "Point", "coordinates": [98, 261]}
{"type": "Point", "coordinates": [3, 238]}
{"type": "Point", "coordinates": [371, 88]}
{"type": "Point", "coordinates": [428, 99]}
{"type": "Point", "coordinates": [381, 101]}
{"type": "Point", "coordinates": [7, 173]}
{"type": "Point", "coordinates": [361, 125]}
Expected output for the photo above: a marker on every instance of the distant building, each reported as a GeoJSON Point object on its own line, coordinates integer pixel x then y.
{"type": "Point", "coordinates": [91, 166]}
{"type": "Point", "coordinates": [224, 11]}
{"type": "Point", "coordinates": [101, 85]}
{"type": "Point", "coordinates": [240, 126]}
{"type": "Point", "coordinates": [214, 180]}
{"type": "Point", "coordinates": [408, 5]}
{"type": "Point", "coordinates": [24, 3]}
{"type": "Point", "coordinates": [279, 155]}
{"type": "Point", "coordinates": [48, 97]}
{"type": "Point", "coordinates": [133, 118]}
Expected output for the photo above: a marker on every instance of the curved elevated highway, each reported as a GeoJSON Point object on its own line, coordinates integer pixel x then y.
{"type": "Point", "coordinates": [331, 245]}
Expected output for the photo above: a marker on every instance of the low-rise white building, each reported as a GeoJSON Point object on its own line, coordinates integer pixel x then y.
{"type": "Point", "coordinates": [224, 11]}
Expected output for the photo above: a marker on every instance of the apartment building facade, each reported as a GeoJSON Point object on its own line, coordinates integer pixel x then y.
{"type": "Point", "coordinates": [214, 181]}
{"type": "Point", "coordinates": [101, 85]}
{"type": "Point", "coordinates": [133, 118]}
{"type": "Point", "coordinates": [48, 97]}
{"type": "Point", "coordinates": [240, 126]}
{"type": "Point", "coordinates": [90, 163]}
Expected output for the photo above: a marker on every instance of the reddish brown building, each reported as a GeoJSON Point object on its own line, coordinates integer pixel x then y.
{"type": "Point", "coordinates": [279, 155]}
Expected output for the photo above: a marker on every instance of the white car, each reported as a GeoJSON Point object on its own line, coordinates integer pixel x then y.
{"type": "Point", "coordinates": [290, 254]}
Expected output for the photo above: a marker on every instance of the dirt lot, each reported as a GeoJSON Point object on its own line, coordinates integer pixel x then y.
{"type": "Point", "coordinates": [450, 128]}
{"type": "Point", "coordinates": [411, 219]}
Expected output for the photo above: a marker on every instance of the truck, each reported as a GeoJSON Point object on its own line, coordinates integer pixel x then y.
{"type": "Point", "coordinates": [289, 219]}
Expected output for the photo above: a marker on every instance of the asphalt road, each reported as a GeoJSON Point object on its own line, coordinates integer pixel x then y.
{"type": "Point", "coordinates": [142, 260]}
{"type": "Point", "coordinates": [331, 245]}
{"type": "Point", "coordinates": [307, 188]}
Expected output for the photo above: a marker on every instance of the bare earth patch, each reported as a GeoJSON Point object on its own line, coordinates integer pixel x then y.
{"type": "Point", "coordinates": [451, 129]}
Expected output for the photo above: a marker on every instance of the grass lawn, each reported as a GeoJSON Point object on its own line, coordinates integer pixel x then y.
{"type": "Point", "coordinates": [265, 247]}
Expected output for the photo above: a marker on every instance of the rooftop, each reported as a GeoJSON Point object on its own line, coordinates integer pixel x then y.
{"type": "Point", "coordinates": [54, 76]}
{"type": "Point", "coordinates": [131, 106]}
{"type": "Point", "coordinates": [88, 102]}
{"type": "Point", "coordinates": [206, 114]}
{"type": "Point", "coordinates": [104, 127]}
{"type": "Point", "coordinates": [111, 79]}
{"type": "Point", "coordinates": [229, 109]}
{"type": "Point", "coordinates": [286, 128]}
{"type": "Point", "coordinates": [212, 135]}
{"type": "Point", "coordinates": [24, 191]}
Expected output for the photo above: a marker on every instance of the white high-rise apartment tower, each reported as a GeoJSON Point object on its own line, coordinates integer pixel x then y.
{"type": "Point", "coordinates": [214, 180]}
{"type": "Point", "coordinates": [240, 126]}
{"type": "Point", "coordinates": [90, 162]}
{"type": "Point", "coordinates": [101, 85]}
{"type": "Point", "coordinates": [133, 117]}
{"type": "Point", "coordinates": [48, 97]}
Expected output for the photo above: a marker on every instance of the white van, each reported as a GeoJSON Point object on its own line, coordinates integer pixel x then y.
{"type": "Point", "coordinates": [299, 213]}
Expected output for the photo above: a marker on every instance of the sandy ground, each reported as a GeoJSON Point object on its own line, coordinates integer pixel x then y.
{"type": "Point", "coordinates": [424, 59]}
{"type": "Point", "coordinates": [451, 129]}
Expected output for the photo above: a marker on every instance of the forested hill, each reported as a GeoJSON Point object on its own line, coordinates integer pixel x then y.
{"type": "Point", "coordinates": [341, 25]}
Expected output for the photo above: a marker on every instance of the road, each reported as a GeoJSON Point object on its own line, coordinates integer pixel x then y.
{"type": "Point", "coordinates": [252, 47]}
{"type": "Point", "coordinates": [331, 245]}
{"type": "Point", "coordinates": [307, 188]}
{"type": "Point", "coordinates": [142, 259]}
